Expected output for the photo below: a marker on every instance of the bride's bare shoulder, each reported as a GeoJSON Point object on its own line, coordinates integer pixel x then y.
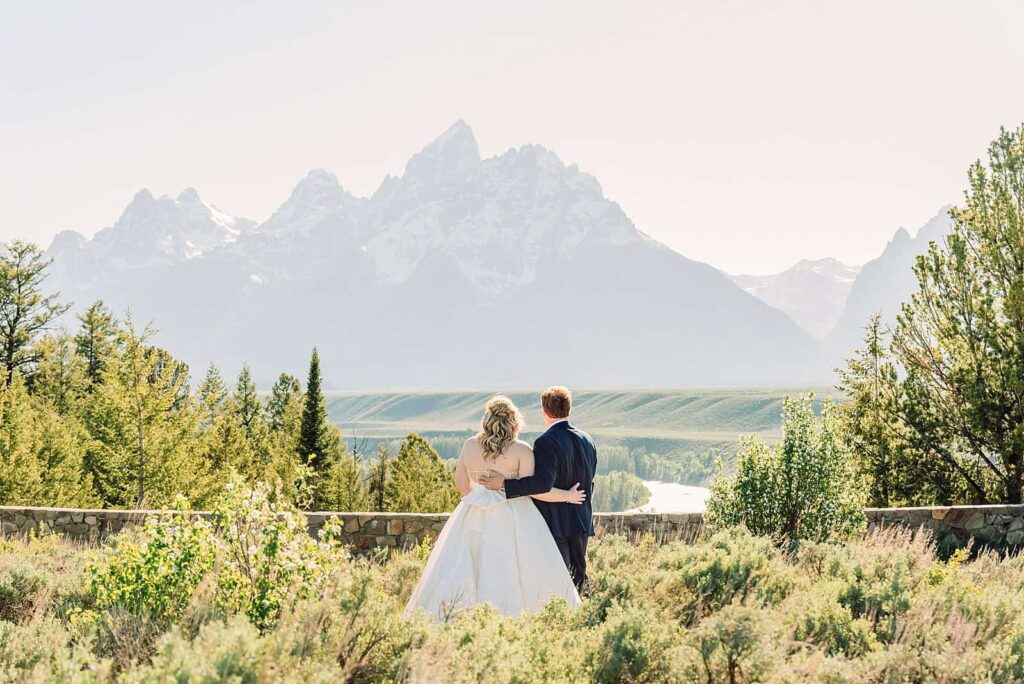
{"type": "Point", "coordinates": [470, 446]}
{"type": "Point", "coordinates": [521, 448]}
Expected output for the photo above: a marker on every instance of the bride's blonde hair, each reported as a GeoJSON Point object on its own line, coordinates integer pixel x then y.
{"type": "Point", "coordinates": [500, 426]}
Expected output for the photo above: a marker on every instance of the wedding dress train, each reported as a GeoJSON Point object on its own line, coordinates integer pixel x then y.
{"type": "Point", "coordinates": [495, 551]}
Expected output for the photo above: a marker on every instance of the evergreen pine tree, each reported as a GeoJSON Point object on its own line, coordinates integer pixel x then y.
{"type": "Point", "coordinates": [285, 394]}
{"type": "Point", "coordinates": [318, 444]}
{"type": "Point", "coordinates": [869, 422]}
{"type": "Point", "coordinates": [25, 312]}
{"type": "Point", "coordinates": [211, 396]}
{"type": "Point", "coordinates": [419, 481]}
{"type": "Point", "coordinates": [247, 403]}
{"type": "Point", "coordinates": [248, 412]}
{"type": "Point", "coordinates": [377, 482]}
{"type": "Point", "coordinates": [41, 453]}
{"type": "Point", "coordinates": [284, 419]}
{"type": "Point", "coordinates": [342, 488]}
{"type": "Point", "coordinates": [142, 425]}
{"type": "Point", "coordinates": [20, 474]}
{"type": "Point", "coordinates": [97, 339]}
{"type": "Point", "coordinates": [60, 378]}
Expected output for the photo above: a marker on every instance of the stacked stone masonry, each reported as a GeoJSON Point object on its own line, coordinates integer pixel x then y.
{"type": "Point", "coordinates": [361, 530]}
{"type": "Point", "coordinates": [1001, 526]}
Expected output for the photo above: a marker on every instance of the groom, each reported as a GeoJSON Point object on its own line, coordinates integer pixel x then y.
{"type": "Point", "coordinates": [564, 456]}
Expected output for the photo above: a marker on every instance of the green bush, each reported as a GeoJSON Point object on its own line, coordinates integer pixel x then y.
{"type": "Point", "coordinates": [632, 646]}
{"type": "Point", "coordinates": [802, 489]}
{"type": "Point", "coordinates": [255, 553]}
{"type": "Point", "coordinates": [819, 618]}
{"type": "Point", "coordinates": [266, 555]}
{"type": "Point", "coordinates": [155, 572]}
{"type": "Point", "coordinates": [730, 647]}
{"type": "Point", "coordinates": [733, 566]}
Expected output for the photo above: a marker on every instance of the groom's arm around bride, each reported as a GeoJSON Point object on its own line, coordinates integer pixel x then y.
{"type": "Point", "coordinates": [563, 456]}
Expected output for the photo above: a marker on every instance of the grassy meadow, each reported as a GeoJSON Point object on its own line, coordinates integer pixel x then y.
{"type": "Point", "coordinates": [704, 422]}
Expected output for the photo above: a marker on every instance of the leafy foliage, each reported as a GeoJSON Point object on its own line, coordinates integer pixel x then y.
{"type": "Point", "coordinates": [618, 491]}
{"type": "Point", "coordinates": [732, 608]}
{"type": "Point", "coordinates": [25, 311]}
{"type": "Point", "coordinates": [255, 553]}
{"type": "Point", "coordinates": [418, 481]}
{"type": "Point", "coordinates": [802, 489]}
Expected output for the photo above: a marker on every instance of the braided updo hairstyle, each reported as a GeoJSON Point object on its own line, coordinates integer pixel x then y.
{"type": "Point", "coordinates": [500, 426]}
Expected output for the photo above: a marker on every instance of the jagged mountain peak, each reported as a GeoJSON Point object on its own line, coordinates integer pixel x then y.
{"type": "Point", "coordinates": [442, 278]}
{"type": "Point", "coordinates": [317, 198]}
{"type": "Point", "coordinates": [162, 230]}
{"type": "Point", "coordinates": [189, 196]}
{"type": "Point", "coordinates": [885, 282]}
{"type": "Point", "coordinates": [457, 141]}
{"type": "Point", "coordinates": [446, 166]}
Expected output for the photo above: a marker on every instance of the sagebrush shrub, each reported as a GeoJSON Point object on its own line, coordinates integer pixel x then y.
{"type": "Point", "coordinates": [732, 565]}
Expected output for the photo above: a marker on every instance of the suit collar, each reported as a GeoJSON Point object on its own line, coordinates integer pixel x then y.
{"type": "Point", "coordinates": [560, 425]}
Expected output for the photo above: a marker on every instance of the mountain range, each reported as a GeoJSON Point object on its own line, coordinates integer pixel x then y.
{"type": "Point", "coordinates": [884, 283]}
{"type": "Point", "coordinates": [462, 272]}
{"type": "Point", "coordinates": [812, 292]}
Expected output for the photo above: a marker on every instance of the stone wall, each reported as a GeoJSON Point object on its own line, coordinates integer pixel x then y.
{"type": "Point", "coordinates": [1000, 526]}
{"type": "Point", "coordinates": [362, 530]}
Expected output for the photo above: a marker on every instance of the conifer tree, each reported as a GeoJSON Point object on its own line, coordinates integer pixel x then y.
{"type": "Point", "coordinates": [318, 444]}
{"type": "Point", "coordinates": [419, 481]}
{"type": "Point", "coordinates": [222, 443]}
{"type": "Point", "coordinates": [20, 475]}
{"type": "Point", "coordinates": [377, 482]}
{"type": "Point", "coordinates": [141, 421]}
{"type": "Point", "coordinates": [342, 488]}
{"type": "Point", "coordinates": [25, 312]}
{"type": "Point", "coordinates": [211, 396]}
{"type": "Point", "coordinates": [248, 406]}
{"type": "Point", "coordinates": [41, 453]}
{"type": "Point", "coordinates": [284, 419]}
{"type": "Point", "coordinates": [869, 418]}
{"type": "Point", "coordinates": [60, 378]}
{"type": "Point", "coordinates": [248, 412]}
{"type": "Point", "coordinates": [284, 396]}
{"type": "Point", "coordinates": [97, 339]}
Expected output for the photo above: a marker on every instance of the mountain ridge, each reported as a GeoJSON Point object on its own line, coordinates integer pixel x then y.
{"type": "Point", "coordinates": [812, 292]}
{"type": "Point", "coordinates": [513, 270]}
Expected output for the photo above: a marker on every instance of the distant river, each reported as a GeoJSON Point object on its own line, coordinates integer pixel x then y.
{"type": "Point", "coordinates": [669, 497]}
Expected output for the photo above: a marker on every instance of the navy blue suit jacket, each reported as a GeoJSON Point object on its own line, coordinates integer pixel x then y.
{"type": "Point", "coordinates": [564, 456]}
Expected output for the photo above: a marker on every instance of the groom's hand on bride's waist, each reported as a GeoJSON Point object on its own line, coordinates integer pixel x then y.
{"type": "Point", "coordinates": [493, 480]}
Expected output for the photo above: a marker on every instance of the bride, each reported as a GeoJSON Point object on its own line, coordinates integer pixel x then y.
{"type": "Point", "coordinates": [494, 550]}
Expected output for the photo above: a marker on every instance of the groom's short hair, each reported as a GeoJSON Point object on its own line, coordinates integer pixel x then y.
{"type": "Point", "coordinates": [557, 402]}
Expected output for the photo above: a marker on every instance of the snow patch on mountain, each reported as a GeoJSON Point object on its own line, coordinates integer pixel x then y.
{"type": "Point", "coordinates": [153, 231]}
{"type": "Point", "coordinates": [495, 218]}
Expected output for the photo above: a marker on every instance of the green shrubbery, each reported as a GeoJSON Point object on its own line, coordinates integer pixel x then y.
{"type": "Point", "coordinates": [254, 554]}
{"type": "Point", "coordinates": [248, 596]}
{"type": "Point", "coordinates": [804, 488]}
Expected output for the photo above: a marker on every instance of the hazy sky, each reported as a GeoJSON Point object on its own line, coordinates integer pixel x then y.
{"type": "Point", "coordinates": [745, 134]}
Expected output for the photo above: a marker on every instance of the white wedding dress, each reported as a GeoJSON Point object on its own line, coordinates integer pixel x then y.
{"type": "Point", "coordinates": [496, 551]}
